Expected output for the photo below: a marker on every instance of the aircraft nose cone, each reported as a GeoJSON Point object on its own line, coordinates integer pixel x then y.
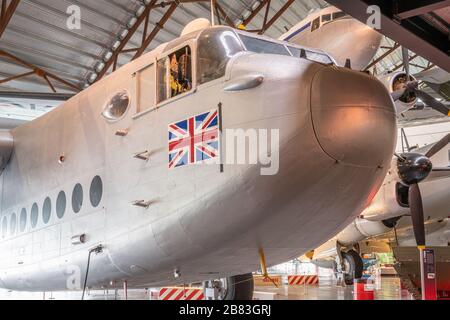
{"type": "Point", "coordinates": [354, 117]}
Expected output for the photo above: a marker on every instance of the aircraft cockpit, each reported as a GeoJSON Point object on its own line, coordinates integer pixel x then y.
{"type": "Point", "coordinates": [214, 48]}
{"type": "Point", "coordinates": [201, 57]}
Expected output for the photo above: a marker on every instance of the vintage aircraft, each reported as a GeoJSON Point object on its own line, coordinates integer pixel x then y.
{"type": "Point", "coordinates": [114, 181]}
{"type": "Point", "coordinates": [335, 32]}
{"type": "Point", "coordinates": [339, 35]}
{"type": "Point", "coordinates": [354, 44]}
{"type": "Point", "coordinates": [399, 205]}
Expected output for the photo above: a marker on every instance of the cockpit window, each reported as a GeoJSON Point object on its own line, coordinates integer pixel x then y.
{"type": "Point", "coordinates": [326, 18]}
{"type": "Point", "coordinates": [315, 24]}
{"type": "Point", "coordinates": [338, 15]}
{"type": "Point", "coordinates": [263, 46]}
{"type": "Point", "coordinates": [318, 57]}
{"type": "Point", "coordinates": [310, 55]}
{"type": "Point", "coordinates": [216, 46]}
{"type": "Point", "coordinates": [175, 74]}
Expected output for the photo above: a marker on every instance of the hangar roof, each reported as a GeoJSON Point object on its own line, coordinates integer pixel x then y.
{"type": "Point", "coordinates": [39, 36]}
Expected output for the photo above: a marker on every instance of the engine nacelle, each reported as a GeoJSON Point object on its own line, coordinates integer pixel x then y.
{"type": "Point", "coordinates": [396, 81]}
{"type": "Point", "coordinates": [361, 229]}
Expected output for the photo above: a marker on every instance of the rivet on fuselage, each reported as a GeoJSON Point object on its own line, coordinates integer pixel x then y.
{"type": "Point", "coordinates": [62, 159]}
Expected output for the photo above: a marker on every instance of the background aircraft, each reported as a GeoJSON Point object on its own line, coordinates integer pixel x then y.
{"type": "Point", "coordinates": [354, 44]}
{"type": "Point", "coordinates": [337, 33]}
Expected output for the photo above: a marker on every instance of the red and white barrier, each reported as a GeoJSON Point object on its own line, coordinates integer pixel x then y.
{"type": "Point", "coordinates": [190, 294]}
{"type": "Point", "coordinates": [303, 280]}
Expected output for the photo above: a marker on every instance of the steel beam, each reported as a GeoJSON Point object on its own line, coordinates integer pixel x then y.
{"type": "Point", "coordinates": [38, 71]}
{"type": "Point", "coordinates": [7, 13]}
{"type": "Point", "coordinates": [276, 16]}
{"type": "Point", "coordinates": [255, 12]}
{"type": "Point", "coordinates": [158, 27]}
{"type": "Point", "coordinates": [124, 42]}
{"type": "Point", "coordinates": [410, 33]}
{"type": "Point", "coordinates": [384, 55]}
{"type": "Point", "coordinates": [412, 8]}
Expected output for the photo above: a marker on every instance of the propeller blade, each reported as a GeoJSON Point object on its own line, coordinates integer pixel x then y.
{"type": "Point", "coordinates": [405, 54]}
{"type": "Point", "coordinates": [441, 144]}
{"type": "Point", "coordinates": [432, 102]}
{"type": "Point", "coordinates": [416, 207]}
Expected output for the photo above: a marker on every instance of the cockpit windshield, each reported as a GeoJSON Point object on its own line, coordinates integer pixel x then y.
{"type": "Point", "coordinates": [216, 46]}
{"type": "Point", "coordinates": [263, 46]}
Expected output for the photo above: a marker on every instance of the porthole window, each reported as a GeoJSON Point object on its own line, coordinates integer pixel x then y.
{"type": "Point", "coordinates": [96, 191]}
{"type": "Point", "coordinates": [4, 227]}
{"type": "Point", "coordinates": [13, 224]}
{"type": "Point", "coordinates": [77, 198]}
{"type": "Point", "coordinates": [34, 215]}
{"type": "Point", "coordinates": [46, 210]}
{"type": "Point", "coordinates": [23, 220]}
{"type": "Point", "coordinates": [61, 205]}
{"type": "Point", "coordinates": [117, 106]}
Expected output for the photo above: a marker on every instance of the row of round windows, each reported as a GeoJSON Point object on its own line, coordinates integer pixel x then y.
{"type": "Point", "coordinates": [95, 195]}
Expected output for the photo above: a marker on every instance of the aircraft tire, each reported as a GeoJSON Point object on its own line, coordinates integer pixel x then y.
{"type": "Point", "coordinates": [240, 287]}
{"type": "Point", "coordinates": [355, 265]}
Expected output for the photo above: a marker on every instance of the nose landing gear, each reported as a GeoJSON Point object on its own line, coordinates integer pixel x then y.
{"type": "Point", "coordinates": [349, 267]}
{"type": "Point", "coordinates": [239, 287]}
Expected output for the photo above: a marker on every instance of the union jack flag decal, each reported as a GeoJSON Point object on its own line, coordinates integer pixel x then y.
{"type": "Point", "coordinates": [194, 140]}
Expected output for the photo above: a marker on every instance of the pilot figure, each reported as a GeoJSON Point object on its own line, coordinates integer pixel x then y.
{"type": "Point", "coordinates": [174, 76]}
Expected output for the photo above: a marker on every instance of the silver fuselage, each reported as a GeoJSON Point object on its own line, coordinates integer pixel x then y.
{"type": "Point", "coordinates": [337, 134]}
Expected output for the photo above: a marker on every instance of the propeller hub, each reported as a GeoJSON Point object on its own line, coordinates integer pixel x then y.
{"type": "Point", "coordinates": [413, 168]}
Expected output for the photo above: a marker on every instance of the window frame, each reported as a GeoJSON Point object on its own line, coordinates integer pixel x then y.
{"type": "Point", "coordinates": [314, 23]}
{"type": "Point", "coordinates": [130, 98]}
{"type": "Point", "coordinates": [137, 77]}
{"type": "Point", "coordinates": [226, 76]}
{"type": "Point", "coordinates": [192, 44]}
{"type": "Point", "coordinates": [281, 43]}
{"type": "Point", "coordinates": [322, 18]}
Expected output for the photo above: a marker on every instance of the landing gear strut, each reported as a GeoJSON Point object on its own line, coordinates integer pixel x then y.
{"type": "Point", "coordinates": [350, 267]}
{"type": "Point", "coordinates": [233, 288]}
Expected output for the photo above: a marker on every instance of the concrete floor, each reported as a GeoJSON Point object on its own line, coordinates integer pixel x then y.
{"type": "Point", "coordinates": [387, 289]}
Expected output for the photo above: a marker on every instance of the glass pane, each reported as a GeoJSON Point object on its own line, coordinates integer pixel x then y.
{"type": "Point", "coordinates": [163, 75]}
{"type": "Point", "coordinates": [34, 215]}
{"type": "Point", "coordinates": [96, 191]}
{"type": "Point", "coordinates": [318, 57]}
{"type": "Point", "coordinates": [295, 51]}
{"type": "Point", "coordinates": [77, 198]}
{"type": "Point", "coordinates": [263, 46]}
{"type": "Point", "coordinates": [147, 87]}
{"type": "Point", "coordinates": [175, 74]}
{"type": "Point", "coordinates": [46, 210]}
{"type": "Point", "coordinates": [13, 224]}
{"type": "Point", "coordinates": [61, 205]}
{"type": "Point", "coordinates": [315, 24]}
{"type": "Point", "coordinates": [117, 106]}
{"type": "Point", "coordinates": [23, 220]}
{"type": "Point", "coordinates": [338, 15]}
{"type": "Point", "coordinates": [215, 48]}
{"type": "Point", "coordinates": [4, 227]}
{"type": "Point", "coordinates": [326, 18]}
